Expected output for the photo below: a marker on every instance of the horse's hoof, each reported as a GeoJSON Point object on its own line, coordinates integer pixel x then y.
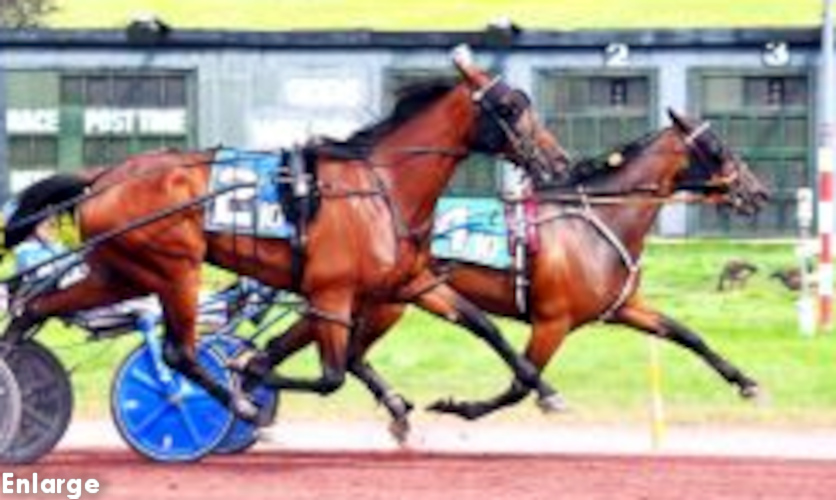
{"type": "Point", "coordinates": [467, 411]}
{"type": "Point", "coordinates": [441, 406]}
{"type": "Point", "coordinates": [754, 393]}
{"type": "Point", "coordinates": [553, 403]}
{"type": "Point", "coordinates": [240, 362]}
{"type": "Point", "coordinates": [397, 405]}
{"type": "Point", "coordinates": [245, 409]}
{"type": "Point", "coordinates": [750, 391]}
{"type": "Point", "coordinates": [399, 429]}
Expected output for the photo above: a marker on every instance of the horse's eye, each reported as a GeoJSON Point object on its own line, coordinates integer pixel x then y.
{"type": "Point", "coordinates": [508, 111]}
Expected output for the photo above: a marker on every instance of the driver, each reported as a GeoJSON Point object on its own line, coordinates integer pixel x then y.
{"type": "Point", "coordinates": [46, 243]}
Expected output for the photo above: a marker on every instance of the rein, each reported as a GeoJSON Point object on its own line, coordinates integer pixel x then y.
{"type": "Point", "coordinates": [430, 150]}
{"type": "Point", "coordinates": [636, 197]}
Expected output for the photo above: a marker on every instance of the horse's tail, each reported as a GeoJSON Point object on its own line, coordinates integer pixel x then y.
{"type": "Point", "coordinates": [61, 191]}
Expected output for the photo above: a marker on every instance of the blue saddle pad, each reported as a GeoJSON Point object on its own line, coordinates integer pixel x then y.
{"type": "Point", "coordinates": [256, 210]}
{"type": "Point", "coordinates": [472, 230]}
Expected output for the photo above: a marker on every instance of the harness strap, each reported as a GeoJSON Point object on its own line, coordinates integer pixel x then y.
{"type": "Point", "coordinates": [410, 296]}
{"type": "Point", "coordinates": [308, 310]}
{"type": "Point", "coordinates": [633, 265]}
{"type": "Point", "coordinates": [480, 93]}
{"type": "Point", "coordinates": [298, 240]}
{"type": "Point", "coordinates": [696, 133]}
{"type": "Point", "coordinates": [519, 240]}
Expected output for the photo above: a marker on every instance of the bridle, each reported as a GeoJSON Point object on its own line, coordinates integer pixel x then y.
{"type": "Point", "coordinates": [700, 155]}
{"type": "Point", "coordinates": [501, 108]}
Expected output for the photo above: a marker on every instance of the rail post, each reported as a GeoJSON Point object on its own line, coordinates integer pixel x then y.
{"type": "Point", "coordinates": [805, 252]}
{"type": "Point", "coordinates": [826, 143]}
{"type": "Point", "coordinates": [657, 406]}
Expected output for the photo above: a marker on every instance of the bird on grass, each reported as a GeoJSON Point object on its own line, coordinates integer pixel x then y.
{"type": "Point", "coordinates": [789, 277]}
{"type": "Point", "coordinates": [735, 274]}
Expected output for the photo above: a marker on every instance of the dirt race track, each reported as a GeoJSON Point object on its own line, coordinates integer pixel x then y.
{"type": "Point", "coordinates": [407, 476]}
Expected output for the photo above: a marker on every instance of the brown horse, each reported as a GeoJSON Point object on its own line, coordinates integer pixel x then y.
{"type": "Point", "coordinates": [587, 268]}
{"type": "Point", "coordinates": [367, 244]}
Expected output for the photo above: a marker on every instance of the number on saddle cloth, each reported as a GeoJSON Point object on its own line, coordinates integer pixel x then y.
{"type": "Point", "coordinates": [488, 232]}
{"type": "Point", "coordinates": [275, 198]}
{"type": "Point", "coordinates": [483, 231]}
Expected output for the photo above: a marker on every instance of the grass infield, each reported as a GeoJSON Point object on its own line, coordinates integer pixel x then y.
{"type": "Point", "coordinates": [440, 14]}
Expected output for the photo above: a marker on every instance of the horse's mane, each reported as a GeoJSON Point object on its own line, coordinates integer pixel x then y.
{"type": "Point", "coordinates": [594, 167]}
{"type": "Point", "coordinates": [410, 100]}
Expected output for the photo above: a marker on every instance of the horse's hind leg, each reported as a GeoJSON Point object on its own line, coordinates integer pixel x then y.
{"type": "Point", "coordinates": [373, 324]}
{"type": "Point", "coordinates": [546, 338]}
{"type": "Point", "coordinates": [448, 304]}
{"type": "Point", "coordinates": [180, 303]}
{"type": "Point", "coordinates": [644, 318]}
{"type": "Point", "coordinates": [328, 322]}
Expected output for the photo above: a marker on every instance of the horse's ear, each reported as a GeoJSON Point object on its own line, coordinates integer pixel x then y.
{"type": "Point", "coordinates": [462, 58]}
{"type": "Point", "coordinates": [678, 120]}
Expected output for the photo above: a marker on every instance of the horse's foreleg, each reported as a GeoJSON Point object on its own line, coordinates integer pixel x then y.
{"type": "Point", "coordinates": [180, 303]}
{"type": "Point", "coordinates": [443, 301]}
{"type": "Point", "coordinates": [372, 324]}
{"type": "Point", "coordinates": [644, 318]}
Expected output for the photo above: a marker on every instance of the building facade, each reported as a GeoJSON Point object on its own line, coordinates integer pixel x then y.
{"type": "Point", "coordinates": [76, 98]}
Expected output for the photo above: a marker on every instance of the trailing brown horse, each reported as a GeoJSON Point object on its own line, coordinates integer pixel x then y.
{"type": "Point", "coordinates": [367, 244]}
{"type": "Point", "coordinates": [587, 267]}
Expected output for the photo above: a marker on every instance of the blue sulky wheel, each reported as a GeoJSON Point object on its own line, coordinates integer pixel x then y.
{"type": "Point", "coordinates": [242, 435]}
{"type": "Point", "coordinates": [163, 415]}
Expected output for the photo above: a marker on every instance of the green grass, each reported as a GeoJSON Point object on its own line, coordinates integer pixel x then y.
{"type": "Point", "coordinates": [602, 371]}
{"type": "Point", "coordinates": [440, 14]}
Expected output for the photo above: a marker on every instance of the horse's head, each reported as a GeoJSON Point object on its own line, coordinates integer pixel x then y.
{"type": "Point", "coordinates": [714, 170]}
{"type": "Point", "coordinates": [507, 125]}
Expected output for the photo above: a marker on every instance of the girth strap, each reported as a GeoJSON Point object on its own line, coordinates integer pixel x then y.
{"type": "Point", "coordinates": [301, 189]}
{"type": "Point", "coordinates": [308, 310]}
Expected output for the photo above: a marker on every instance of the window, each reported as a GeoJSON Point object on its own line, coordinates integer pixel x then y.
{"type": "Point", "coordinates": [32, 152]}
{"type": "Point", "coordinates": [775, 92]}
{"type": "Point", "coordinates": [592, 111]}
{"type": "Point", "coordinates": [105, 151]}
{"type": "Point", "coordinates": [64, 120]}
{"type": "Point", "coordinates": [618, 92]}
{"type": "Point", "coordinates": [764, 117]}
{"type": "Point", "coordinates": [121, 100]}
